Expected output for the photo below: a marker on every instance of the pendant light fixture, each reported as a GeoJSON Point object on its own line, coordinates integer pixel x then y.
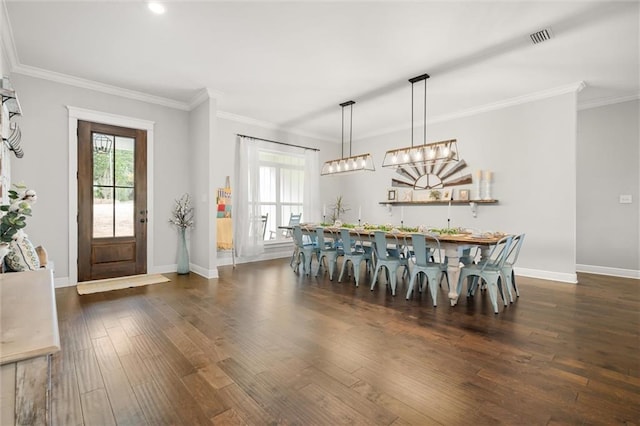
{"type": "Point", "coordinates": [353, 163]}
{"type": "Point", "coordinates": [425, 154]}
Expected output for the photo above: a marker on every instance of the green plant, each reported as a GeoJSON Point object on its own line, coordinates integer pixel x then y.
{"type": "Point", "coordinates": [16, 212]}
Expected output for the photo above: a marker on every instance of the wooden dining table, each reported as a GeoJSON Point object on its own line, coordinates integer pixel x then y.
{"type": "Point", "coordinates": [452, 244]}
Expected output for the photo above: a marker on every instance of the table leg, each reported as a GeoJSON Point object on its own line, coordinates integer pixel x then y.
{"type": "Point", "coordinates": [453, 269]}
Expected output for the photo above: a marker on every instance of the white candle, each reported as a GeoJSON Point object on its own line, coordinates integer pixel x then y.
{"type": "Point", "coordinates": [488, 174]}
{"type": "Point", "coordinates": [359, 212]}
{"type": "Point", "coordinates": [479, 175]}
{"type": "Point", "coordinates": [402, 214]}
{"type": "Point", "coordinates": [324, 210]}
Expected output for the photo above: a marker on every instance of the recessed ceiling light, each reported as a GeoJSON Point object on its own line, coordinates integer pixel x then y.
{"type": "Point", "coordinates": [156, 7]}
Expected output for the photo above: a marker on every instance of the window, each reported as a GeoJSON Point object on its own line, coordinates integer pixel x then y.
{"type": "Point", "coordinates": [281, 189]}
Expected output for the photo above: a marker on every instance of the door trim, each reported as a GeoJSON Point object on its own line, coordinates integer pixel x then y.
{"type": "Point", "coordinates": [76, 114]}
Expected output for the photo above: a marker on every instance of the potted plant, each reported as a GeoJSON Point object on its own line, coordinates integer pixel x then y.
{"type": "Point", "coordinates": [182, 217]}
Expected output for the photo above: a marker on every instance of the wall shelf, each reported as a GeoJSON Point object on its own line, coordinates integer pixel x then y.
{"type": "Point", "coordinates": [439, 202]}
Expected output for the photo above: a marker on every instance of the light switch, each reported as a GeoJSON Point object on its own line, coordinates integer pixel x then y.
{"type": "Point", "coordinates": [626, 199]}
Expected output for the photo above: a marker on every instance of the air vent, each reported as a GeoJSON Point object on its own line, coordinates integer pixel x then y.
{"type": "Point", "coordinates": [540, 36]}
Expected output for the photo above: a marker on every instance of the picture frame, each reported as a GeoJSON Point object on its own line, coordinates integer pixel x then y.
{"type": "Point", "coordinates": [447, 194]}
{"type": "Point", "coordinates": [463, 194]}
{"type": "Point", "coordinates": [391, 195]}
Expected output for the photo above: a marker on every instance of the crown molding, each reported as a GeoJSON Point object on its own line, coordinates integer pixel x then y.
{"type": "Point", "coordinates": [203, 95]}
{"type": "Point", "coordinates": [267, 125]}
{"type": "Point", "coordinates": [99, 87]}
{"type": "Point", "coordinates": [506, 103]}
{"type": "Point", "coordinates": [595, 103]}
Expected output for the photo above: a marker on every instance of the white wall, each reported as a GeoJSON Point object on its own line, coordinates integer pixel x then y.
{"type": "Point", "coordinates": [608, 166]}
{"type": "Point", "coordinates": [531, 148]}
{"type": "Point", "coordinates": [202, 128]}
{"type": "Point", "coordinates": [45, 163]}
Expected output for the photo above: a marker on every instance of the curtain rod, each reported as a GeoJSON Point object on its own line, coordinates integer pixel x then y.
{"type": "Point", "coordinates": [279, 143]}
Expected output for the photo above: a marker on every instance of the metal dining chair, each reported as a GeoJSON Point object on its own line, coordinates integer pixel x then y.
{"type": "Point", "coordinates": [352, 253]}
{"type": "Point", "coordinates": [385, 260]}
{"type": "Point", "coordinates": [326, 251]}
{"type": "Point", "coordinates": [507, 270]}
{"type": "Point", "coordinates": [427, 257]}
{"type": "Point", "coordinates": [491, 271]}
{"type": "Point", "coordinates": [302, 250]}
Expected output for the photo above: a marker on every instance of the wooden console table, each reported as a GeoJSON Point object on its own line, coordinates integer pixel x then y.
{"type": "Point", "coordinates": [28, 336]}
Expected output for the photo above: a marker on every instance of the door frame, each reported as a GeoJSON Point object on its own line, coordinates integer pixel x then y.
{"type": "Point", "coordinates": [76, 114]}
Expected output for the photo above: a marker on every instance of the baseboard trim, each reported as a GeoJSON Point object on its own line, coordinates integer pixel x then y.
{"type": "Point", "coordinates": [605, 270]}
{"type": "Point", "coordinates": [225, 259]}
{"type": "Point", "coordinates": [63, 282]}
{"type": "Point", "coordinates": [547, 275]}
{"type": "Point", "coordinates": [205, 273]}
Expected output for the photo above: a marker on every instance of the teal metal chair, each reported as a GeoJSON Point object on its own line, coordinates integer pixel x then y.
{"type": "Point", "coordinates": [507, 270]}
{"type": "Point", "coordinates": [303, 252]}
{"type": "Point", "coordinates": [351, 253]}
{"type": "Point", "coordinates": [490, 271]}
{"type": "Point", "coordinates": [512, 258]}
{"type": "Point", "coordinates": [326, 251]}
{"type": "Point", "coordinates": [428, 262]}
{"type": "Point", "coordinates": [385, 260]}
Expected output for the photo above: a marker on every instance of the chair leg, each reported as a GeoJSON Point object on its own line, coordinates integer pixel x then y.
{"type": "Point", "coordinates": [375, 275]}
{"type": "Point", "coordinates": [433, 279]}
{"type": "Point", "coordinates": [513, 283]}
{"type": "Point", "coordinates": [344, 266]}
{"type": "Point", "coordinates": [394, 281]}
{"type": "Point", "coordinates": [415, 274]}
{"type": "Point", "coordinates": [356, 270]}
{"type": "Point", "coordinates": [492, 287]}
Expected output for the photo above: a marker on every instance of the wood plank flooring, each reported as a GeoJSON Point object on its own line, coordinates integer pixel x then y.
{"type": "Point", "coordinates": [263, 345]}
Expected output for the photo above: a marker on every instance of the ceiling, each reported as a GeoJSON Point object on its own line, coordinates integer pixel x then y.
{"type": "Point", "coordinates": [292, 63]}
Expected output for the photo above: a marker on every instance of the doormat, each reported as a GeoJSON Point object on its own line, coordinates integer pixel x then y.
{"type": "Point", "coordinates": [97, 286]}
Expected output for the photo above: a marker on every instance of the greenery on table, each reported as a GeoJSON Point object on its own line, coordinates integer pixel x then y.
{"type": "Point", "coordinates": [338, 208]}
{"type": "Point", "coordinates": [446, 231]}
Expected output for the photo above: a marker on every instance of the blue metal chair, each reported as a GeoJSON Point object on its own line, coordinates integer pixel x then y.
{"type": "Point", "coordinates": [512, 258]}
{"type": "Point", "coordinates": [428, 261]}
{"type": "Point", "coordinates": [352, 253]}
{"type": "Point", "coordinates": [385, 260]}
{"type": "Point", "coordinates": [302, 250]}
{"type": "Point", "coordinates": [491, 271]}
{"type": "Point", "coordinates": [326, 251]}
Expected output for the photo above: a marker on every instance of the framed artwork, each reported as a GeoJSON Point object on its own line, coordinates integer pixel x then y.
{"type": "Point", "coordinates": [391, 195]}
{"type": "Point", "coordinates": [463, 194]}
{"type": "Point", "coordinates": [447, 194]}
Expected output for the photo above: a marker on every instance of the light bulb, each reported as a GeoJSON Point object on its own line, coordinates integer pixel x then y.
{"type": "Point", "coordinates": [417, 155]}
{"type": "Point", "coordinates": [406, 157]}
{"type": "Point", "coordinates": [362, 163]}
{"type": "Point", "coordinates": [432, 153]}
{"type": "Point", "coordinates": [394, 159]}
{"type": "Point", "coordinates": [445, 151]}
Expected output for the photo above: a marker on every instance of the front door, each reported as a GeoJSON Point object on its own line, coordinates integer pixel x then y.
{"type": "Point", "coordinates": [112, 201]}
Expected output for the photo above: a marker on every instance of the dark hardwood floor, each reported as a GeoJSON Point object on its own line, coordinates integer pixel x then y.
{"type": "Point", "coordinates": [263, 345]}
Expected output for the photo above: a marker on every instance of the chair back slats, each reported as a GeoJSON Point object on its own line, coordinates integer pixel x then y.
{"type": "Point", "coordinates": [514, 252]}
{"type": "Point", "coordinates": [294, 219]}
{"type": "Point", "coordinates": [297, 236]}
{"type": "Point", "coordinates": [425, 246]}
{"type": "Point", "coordinates": [498, 255]}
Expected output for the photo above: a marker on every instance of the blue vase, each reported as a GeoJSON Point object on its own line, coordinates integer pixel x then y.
{"type": "Point", "coordinates": [183, 253]}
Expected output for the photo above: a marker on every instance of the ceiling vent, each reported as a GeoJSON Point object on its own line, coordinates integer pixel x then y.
{"type": "Point", "coordinates": [540, 36]}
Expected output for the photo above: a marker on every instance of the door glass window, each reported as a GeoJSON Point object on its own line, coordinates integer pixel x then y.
{"type": "Point", "coordinates": [113, 186]}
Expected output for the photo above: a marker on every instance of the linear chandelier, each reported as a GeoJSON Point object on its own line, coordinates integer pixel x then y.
{"type": "Point", "coordinates": [352, 163]}
{"type": "Point", "coordinates": [425, 154]}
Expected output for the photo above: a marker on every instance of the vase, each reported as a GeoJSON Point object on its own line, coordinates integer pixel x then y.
{"type": "Point", "coordinates": [183, 253]}
{"type": "Point", "coordinates": [4, 250]}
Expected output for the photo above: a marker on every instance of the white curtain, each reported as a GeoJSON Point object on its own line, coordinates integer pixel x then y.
{"type": "Point", "coordinates": [246, 212]}
{"type": "Point", "coordinates": [311, 202]}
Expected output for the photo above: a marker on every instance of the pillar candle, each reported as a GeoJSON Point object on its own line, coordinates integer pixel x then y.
{"type": "Point", "coordinates": [402, 214]}
{"type": "Point", "coordinates": [488, 174]}
{"type": "Point", "coordinates": [479, 175]}
{"type": "Point", "coordinates": [324, 210]}
{"type": "Point", "coordinates": [359, 212]}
